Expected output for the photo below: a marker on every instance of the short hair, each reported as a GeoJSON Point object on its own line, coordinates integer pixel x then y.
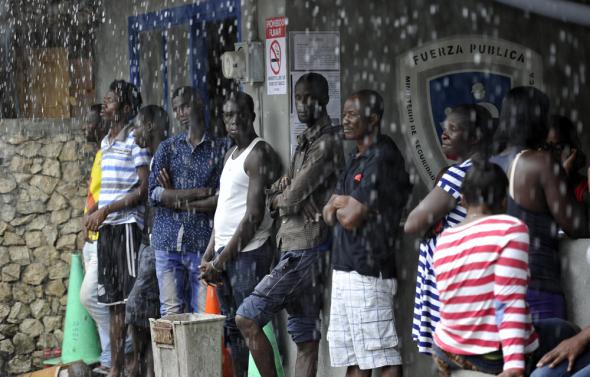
{"type": "Point", "coordinates": [195, 98]}
{"type": "Point", "coordinates": [319, 86]}
{"type": "Point", "coordinates": [128, 95]}
{"type": "Point", "coordinates": [156, 115]}
{"type": "Point", "coordinates": [186, 90]}
{"type": "Point", "coordinates": [485, 183]}
{"type": "Point", "coordinates": [523, 118]}
{"type": "Point", "coordinates": [479, 123]}
{"type": "Point", "coordinates": [371, 102]}
{"type": "Point", "coordinates": [244, 100]}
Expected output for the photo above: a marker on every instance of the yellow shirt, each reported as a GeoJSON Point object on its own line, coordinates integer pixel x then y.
{"type": "Point", "coordinates": [94, 189]}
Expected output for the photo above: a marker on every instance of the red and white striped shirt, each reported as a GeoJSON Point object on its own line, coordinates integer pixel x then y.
{"type": "Point", "coordinates": [481, 272]}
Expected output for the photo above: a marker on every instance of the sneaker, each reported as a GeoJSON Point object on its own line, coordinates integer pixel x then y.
{"type": "Point", "coordinates": [101, 370]}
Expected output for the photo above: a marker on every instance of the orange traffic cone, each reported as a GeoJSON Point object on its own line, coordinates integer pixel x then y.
{"type": "Point", "coordinates": [212, 307]}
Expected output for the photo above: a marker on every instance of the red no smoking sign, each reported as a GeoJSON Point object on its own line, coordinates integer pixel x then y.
{"type": "Point", "coordinates": [275, 57]}
{"type": "Point", "coordinates": [276, 71]}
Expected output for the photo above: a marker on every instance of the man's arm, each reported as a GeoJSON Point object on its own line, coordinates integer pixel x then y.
{"type": "Point", "coordinates": [350, 212]}
{"type": "Point", "coordinates": [208, 204]}
{"type": "Point", "coordinates": [325, 159]}
{"type": "Point", "coordinates": [130, 200]}
{"type": "Point", "coordinates": [262, 169]}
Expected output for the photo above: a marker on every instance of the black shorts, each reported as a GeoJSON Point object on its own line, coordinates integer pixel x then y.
{"type": "Point", "coordinates": [144, 300]}
{"type": "Point", "coordinates": [118, 246]}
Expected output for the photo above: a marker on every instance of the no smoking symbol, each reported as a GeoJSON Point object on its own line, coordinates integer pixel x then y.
{"type": "Point", "coordinates": [275, 57]}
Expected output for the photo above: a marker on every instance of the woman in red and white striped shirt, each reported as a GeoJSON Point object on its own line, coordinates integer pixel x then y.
{"type": "Point", "coordinates": [481, 269]}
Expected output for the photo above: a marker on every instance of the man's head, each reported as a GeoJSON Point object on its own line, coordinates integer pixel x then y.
{"type": "Point", "coordinates": [238, 114]}
{"type": "Point", "coordinates": [151, 124]}
{"type": "Point", "coordinates": [121, 102]}
{"type": "Point", "coordinates": [361, 114]}
{"type": "Point", "coordinates": [311, 97]}
{"type": "Point", "coordinates": [94, 128]}
{"type": "Point", "coordinates": [188, 107]}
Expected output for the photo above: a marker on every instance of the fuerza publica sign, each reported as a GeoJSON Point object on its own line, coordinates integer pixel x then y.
{"type": "Point", "coordinates": [446, 73]}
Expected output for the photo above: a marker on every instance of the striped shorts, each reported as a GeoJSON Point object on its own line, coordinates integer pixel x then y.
{"type": "Point", "coordinates": [118, 247]}
{"type": "Point", "coordinates": [362, 329]}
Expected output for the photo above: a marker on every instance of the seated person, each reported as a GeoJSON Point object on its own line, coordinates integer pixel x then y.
{"type": "Point", "coordinates": [481, 269]}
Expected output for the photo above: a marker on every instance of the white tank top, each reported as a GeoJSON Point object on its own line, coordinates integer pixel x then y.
{"type": "Point", "coordinates": [231, 203]}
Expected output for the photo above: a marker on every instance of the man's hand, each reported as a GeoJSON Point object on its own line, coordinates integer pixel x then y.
{"type": "Point", "coordinates": [209, 273]}
{"type": "Point", "coordinates": [352, 214]}
{"type": "Point", "coordinates": [512, 373]}
{"type": "Point", "coordinates": [95, 220]}
{"type": "Point", "coordinates": [284, 182]}
{"type": "Point", "coordinates": [569, 349]}
{"type": "Point", "coordinates": [341, 201]}
{"type": "Point", "coordinates": [310, 211]}
{"type": "Point", "coordinates": [164, 179]}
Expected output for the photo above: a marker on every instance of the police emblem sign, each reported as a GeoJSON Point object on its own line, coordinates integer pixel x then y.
{"type": "Point", "coordinates": [460, 70]}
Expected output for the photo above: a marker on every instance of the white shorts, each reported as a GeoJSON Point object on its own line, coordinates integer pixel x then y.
{"type": "Point", "coordinates": [362, 329]}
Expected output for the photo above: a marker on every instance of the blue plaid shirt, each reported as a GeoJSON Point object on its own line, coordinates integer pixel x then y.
{"type": "Point", "coordinates": [189, 167]}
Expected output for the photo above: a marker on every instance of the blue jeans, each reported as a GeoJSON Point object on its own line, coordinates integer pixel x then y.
{"type": "Point", "coordinates": [296, 284]}
{"type": "Point", "coordinates": [179, 281]}
{"type": "Point", "coordinates": [89, 298]}
{"type": "Point", "coordinates": [238, 281]}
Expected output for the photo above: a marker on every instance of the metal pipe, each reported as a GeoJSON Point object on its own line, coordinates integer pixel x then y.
{"type": "Point", "coordinates": [563, 10]}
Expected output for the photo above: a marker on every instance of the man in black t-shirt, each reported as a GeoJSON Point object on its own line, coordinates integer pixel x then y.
{"type": "Point", "coordinates": [365, 211]}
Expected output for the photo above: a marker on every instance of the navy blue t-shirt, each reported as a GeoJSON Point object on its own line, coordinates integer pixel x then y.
{"type": "Point", "coordinates": [379, 180]}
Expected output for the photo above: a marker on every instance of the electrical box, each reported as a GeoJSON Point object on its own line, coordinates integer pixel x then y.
{"type": "Point", "coordinates": [245, 64]}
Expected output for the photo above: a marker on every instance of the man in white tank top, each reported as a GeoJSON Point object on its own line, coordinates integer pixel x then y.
{"type": "Point", "coordinates": [239, 254]}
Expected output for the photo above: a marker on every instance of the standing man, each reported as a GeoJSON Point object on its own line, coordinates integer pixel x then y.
{"type": "Point", "coordinates": [303, 237]}
{"type": "Point", "coordinates": [95, 130]}
{"type": "Point", "coordinates": [151, 128]}
{"type": "Point", "coordinates": [120, 210]}
{"type": "Point", "coordinates": [366, 211]}
{"type": "Point", "coordinates": [182, 186]}
{"type": "Point", "coordinates": [239, 253]}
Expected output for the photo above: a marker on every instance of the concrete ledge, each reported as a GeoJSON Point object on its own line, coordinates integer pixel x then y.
{"type": "Point", "coordinates": [575, 274]}
{"type": "Point", "coordinates": [469, 373]}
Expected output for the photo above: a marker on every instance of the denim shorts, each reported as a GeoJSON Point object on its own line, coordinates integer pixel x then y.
{"type": "Point", "coordinates": [295, 284]}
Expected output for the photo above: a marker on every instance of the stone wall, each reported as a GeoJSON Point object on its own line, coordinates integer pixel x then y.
{"type": "Point", "coordinates": [43, 170]}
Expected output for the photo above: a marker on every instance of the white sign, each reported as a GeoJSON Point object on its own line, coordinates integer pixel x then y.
{"type": "Point", "coordinates": [317, 52]}
{"type": "Point", "coordinates": [276, 56]}
{"type": "Point", "coordinates": [461, 70]}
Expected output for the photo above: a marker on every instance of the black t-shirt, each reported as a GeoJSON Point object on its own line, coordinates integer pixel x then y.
{"type": "Point", "coordinates": [378, 179]}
